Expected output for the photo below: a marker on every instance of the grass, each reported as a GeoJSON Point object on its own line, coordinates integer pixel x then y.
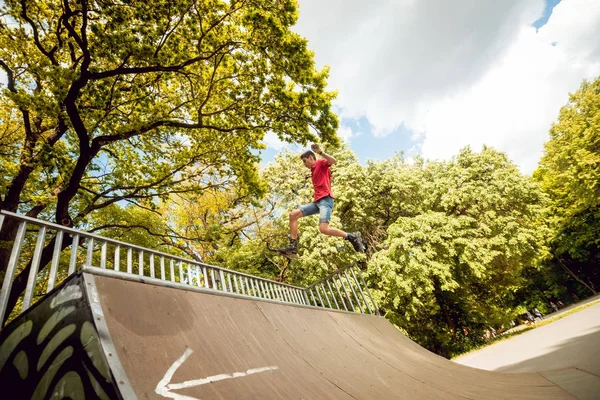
{"type": "Point", "coordinates": [543, 322]}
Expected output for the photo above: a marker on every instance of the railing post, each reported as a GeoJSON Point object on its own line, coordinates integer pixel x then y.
{"type": "Point", "coordinates": [229, 284]}
{"type": "Point", "coordinates": [73, 259]}
{"type": "Point", "coordinates": [346, 293]}
{"type": "Point", "coordinates": [141, 263]}
{"type": "Point", "coordinates": [306, 299]}
{"type": "Point", "coordinates": [172, 269]}
{"type": "Point", "coordinates": [313, 297]}
{"type": "Point", "coordinates": [353, 292]}
{"type": "Point", "coordinates": [360, 290]}
{"type": "Point", "coordinates": [117, 265]}
{"type": "Point", "coordinates": [339, 293]}
{"type": "Point", "coordinates": [333, 295]}
{"type": "Point", "coordinates": [151, 265]}
{"type": "Point", "coordinates": [223, 283]}
{"type": "Point", "coordinates": [33, 271]}
{"type": "Point", "coordinates": [103, 255]}
{"type": "Point", "coordinates": [55, 260]}
{"type": "Point", "coordinates": [369, 294]}
{"type": "Point", "coordinates": [10, 270]}
{"type": "Point", "coordinates": [129, 260]}
{"type": "Point", "coordinates": [90, 252]}
{"type": "Point", "coordinates": [326, 295]}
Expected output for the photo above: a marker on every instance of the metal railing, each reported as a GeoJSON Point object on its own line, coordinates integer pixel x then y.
{"type": "Point", "coordinates": [38, 243]}
{"type": "Point", "coordinates": [343, 290]}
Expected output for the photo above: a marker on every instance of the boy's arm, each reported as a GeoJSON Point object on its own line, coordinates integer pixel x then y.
{"type": "Point", "coordinates": [330, 159]}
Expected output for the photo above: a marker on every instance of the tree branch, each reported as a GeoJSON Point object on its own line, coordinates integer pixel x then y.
{"type": "Point", "coordinates": [159, 68]}
{"type": "Point", "coordinates": [168, 31]}
{"type": "Point", "coordinates": [36, 36]}
{"type": "Point", "coordinates": [10, 84]}
{"type": "Point", "coordinates": [104, 139]}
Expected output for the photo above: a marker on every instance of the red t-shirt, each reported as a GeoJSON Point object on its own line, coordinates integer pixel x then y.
{"type": "Point", "coordinates": [321, 179]}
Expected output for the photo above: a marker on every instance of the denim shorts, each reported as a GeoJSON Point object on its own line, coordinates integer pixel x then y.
{"type": "Point", "coordinates": [323, 207]}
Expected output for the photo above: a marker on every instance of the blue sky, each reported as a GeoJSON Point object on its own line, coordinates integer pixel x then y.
{"type": "Point", "coordinates": [430, 81]}
{"type": "Point", "coordinates": [364, 144]}
{"type": "Point", "coordinates": [550, 4]}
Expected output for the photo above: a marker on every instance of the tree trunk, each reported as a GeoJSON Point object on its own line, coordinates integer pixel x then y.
{"type": "Point", "coordinates": [572, 274]}
{"type": "Point", "coordinates": [7, 238]}
{"type": "Point", "coordinates": [441, 300]}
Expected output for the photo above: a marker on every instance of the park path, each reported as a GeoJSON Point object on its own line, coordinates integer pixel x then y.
{"type": "Point", "coordinates": [573, 341]}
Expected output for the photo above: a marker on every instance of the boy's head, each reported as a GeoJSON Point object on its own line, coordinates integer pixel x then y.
{"type": "Point", "coordinates": [308, 158]}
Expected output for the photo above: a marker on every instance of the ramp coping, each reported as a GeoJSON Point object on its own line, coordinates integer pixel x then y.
{"type": "Point", "coordinates": [87, 271]}
{"type": "Point", "coordinates": [107, 345]}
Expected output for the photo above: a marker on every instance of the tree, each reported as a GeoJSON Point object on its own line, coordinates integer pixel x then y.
{"type": "Point", "coordinates": [373, 197]}
{"type": "Point", "coordinates": [450, 272]}
{"type": "Point", "coordinates": [134, 101]}
{"type": "Point", "coordinates": [569, 173]}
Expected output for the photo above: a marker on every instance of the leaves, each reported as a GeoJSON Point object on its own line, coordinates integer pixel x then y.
{"type": "Point", "coordinates": [189, 95]}
{"type": "Point", "coordinates": [454, 266]}
{"type": "Point", "coordinates": [569, 172]}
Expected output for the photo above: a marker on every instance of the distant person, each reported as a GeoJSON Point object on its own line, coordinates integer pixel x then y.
{"type": "Point", "coordinates": [554, 306]}
{"type": "Point", "coordinates": [538, 314]}
{"type": "Point", "coordinates": [530, 317]}
{"type": "Point", "coordinates": [322, 204]}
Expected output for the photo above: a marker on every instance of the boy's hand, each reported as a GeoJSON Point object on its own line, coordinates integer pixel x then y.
{"type": "Point", "coordinates": [315, 147]}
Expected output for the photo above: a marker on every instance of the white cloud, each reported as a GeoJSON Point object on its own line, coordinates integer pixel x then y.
{"type": "Point", "coordinates": [345, 133]}
{"type": "Point", "coordinates": [463, 72]}
{"type": "Point", "coordinates": [513, 106]}
{"type": "Point", "coordinates": [272, 141]}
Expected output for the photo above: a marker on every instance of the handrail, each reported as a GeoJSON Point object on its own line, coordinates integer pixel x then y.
{"type": "Point", "coordinates": [133, 246]}
{"type": "Point", "coordinates": [334, 273]}
{"type": "Point", "coordinates": [189, 272]}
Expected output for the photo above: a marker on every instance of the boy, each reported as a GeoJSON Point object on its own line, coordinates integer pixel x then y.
{"type": "Point", "coordinates": [322, 205]}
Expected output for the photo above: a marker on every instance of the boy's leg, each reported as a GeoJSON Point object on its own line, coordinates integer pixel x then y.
{"type": "Point", "coordinates": [302, 211]}
{"type": "Point", "coordinates": [325, 229]}
{"type": "Point", "coordinates": [354, 238]}
{"type": "Point", "coordinates": [325, 208]}
{"type": "Point", "coordinates": [294, 217]}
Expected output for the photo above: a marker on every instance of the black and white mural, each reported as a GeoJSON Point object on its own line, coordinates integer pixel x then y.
{"type": "Point", "coordinates": [53, 351]}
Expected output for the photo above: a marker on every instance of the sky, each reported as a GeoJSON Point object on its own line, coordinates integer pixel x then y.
{"type": "Point", "coordinates": [429, 77]}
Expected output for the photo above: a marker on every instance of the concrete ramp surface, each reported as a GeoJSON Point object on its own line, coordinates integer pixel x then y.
{"type": "Point", "coordinates": [109, 337]}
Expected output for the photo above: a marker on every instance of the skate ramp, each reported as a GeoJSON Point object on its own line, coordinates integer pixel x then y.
{"type": "Point", "coordinates": [165, 342]}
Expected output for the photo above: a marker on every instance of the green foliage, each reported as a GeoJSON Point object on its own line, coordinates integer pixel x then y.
{"type": "Point", "coordinates": [115, 101]}
{"type": "Point", "coordinates": [450, 272]}
{"type": "Point", "coordinates": [373, 197]}
{"type": "Point", "coordinates": [569, 173]}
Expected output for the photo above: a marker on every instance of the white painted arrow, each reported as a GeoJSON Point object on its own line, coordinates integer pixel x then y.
{"type": "Point", "coordinates": [164, 387]}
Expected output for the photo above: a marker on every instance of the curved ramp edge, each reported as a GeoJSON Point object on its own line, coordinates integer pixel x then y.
{"type": "Point", "coordinates": [175, 343]}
